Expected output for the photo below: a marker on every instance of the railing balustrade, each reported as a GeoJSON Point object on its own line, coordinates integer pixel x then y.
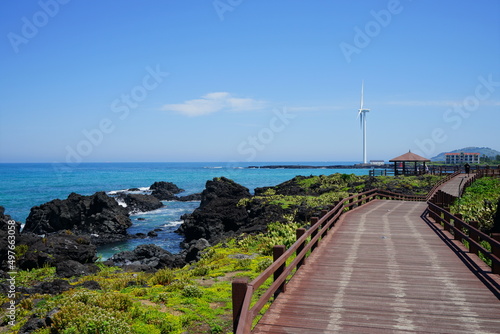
{"type": "Point", "coordinates": [438, 201]}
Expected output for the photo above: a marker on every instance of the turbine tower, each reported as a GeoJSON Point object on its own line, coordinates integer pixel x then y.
{"type": "Point", "coordinates": [362, 118]}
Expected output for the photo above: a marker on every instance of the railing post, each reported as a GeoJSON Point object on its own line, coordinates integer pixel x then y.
{"type": "Point", "coordinates": [335, 203]}
{"type": "Point", "coordinates": [351, 199]}
{"type": "Point", "coordinates": [473, 235]}
{"type": "Point", "coordinates": [459, 226]}
{"type": "Point", "coordinates": [323, 213]}
{"type": "Point", "coordinates": [314, 220]}
{"type": "Point", "coordinates": [495, 250]}
{"type": "Point", "coordinates": [277, 252]}
{"type": "Point", "coordinates": [239, 290]}
{"type": "Point", "coordinates": [447, 222]}
{"type": "Point", "coordinates": [439, 199]}
{"type": "Point", "coordinates": [299, 233]}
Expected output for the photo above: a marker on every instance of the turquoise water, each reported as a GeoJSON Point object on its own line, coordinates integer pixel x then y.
{"type": "Point", "coordinates": [23, 186]}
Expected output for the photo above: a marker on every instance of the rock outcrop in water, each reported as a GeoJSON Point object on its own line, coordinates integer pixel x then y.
{"type": "Point", "coordinates": [139, 202]}
{"type": "Point", "coordinates": [165, 191]}
{"type": "Point", "coordinates": [98, 217]}
{"type": "Point", "coordinates": [218, 215]}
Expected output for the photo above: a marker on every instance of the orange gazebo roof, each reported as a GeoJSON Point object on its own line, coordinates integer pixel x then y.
{"type": "Point", "coordinates": [409, 157]}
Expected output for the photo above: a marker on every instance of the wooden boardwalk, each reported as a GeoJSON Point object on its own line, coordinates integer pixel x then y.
{"type": "Point", "coordinates": [384, 270]}
{"type": "Point", "coordinates": [454, 185]}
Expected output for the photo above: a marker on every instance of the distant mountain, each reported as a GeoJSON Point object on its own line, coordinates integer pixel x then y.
{"type": "Point", "coordinates": [482, 150]}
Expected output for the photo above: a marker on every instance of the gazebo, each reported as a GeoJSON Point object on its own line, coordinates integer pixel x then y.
{"type": "Point", "coordinates": [409, 157]}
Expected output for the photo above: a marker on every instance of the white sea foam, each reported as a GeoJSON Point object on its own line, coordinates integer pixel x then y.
{"type": "Point", "coordinates": [161, 210]}
{"type": "Point", "coordinates": [120, 202]}
{"type": "Point", "coordinates": [174, 223]}
{"type": "Point", "coordinates": [142, 190]}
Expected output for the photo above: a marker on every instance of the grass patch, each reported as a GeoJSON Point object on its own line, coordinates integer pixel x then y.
{"type": "Point", "coordinates": [478, 202]}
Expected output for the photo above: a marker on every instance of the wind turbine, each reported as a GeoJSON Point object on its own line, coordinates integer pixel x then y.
{"type": "Point", "coordinates": [362, 119]}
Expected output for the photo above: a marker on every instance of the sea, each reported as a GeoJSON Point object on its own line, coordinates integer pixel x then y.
{"type": "Point", "coordinates": [26, 185]}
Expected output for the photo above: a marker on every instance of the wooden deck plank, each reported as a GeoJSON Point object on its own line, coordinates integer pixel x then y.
{"type": "Point", "coordinates": [384, 270]}
{"type": "Point", "coordinates": [454, 185]}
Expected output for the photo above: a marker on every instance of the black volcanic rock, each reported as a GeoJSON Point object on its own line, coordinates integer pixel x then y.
{"type": "Point", "coordinates": [32, 325]}
{"type": "Point", "coordinates": [8, 229]}
{"type": "Point", "coordinates": [70, 268]}
{"type": "Point", "coordinates": [98, 216]}
{"type": "Point", "coordinates": [54, 287]}
{"type": "Point", "coordinates": [194, 248]}
{"type": "Point", "coordinates": [165, 191]}
{"type": "Point", "coordinates": [188, 198]}
{"type": "Point", "coordinates": [218, 215]}
{"type": "Point", "coordinates": [139, 202]}
{"type": "Point", "coordinates": [33, 251]}
{"type": "Point", "coordinates": [152, 234]}
{"type": "Point", "coordinates": [53, 249]}
{"type": "Point", "coordinates": [147, 258]}
{"type": "Point", "coordinates": [4, 221]}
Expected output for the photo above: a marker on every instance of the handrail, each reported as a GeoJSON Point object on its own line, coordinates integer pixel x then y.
{"type": "Point", "coordinates": [439, 183]}
{"type": "Point", "coordinates": [242, 323]}
{"type": "Point", "coordinates": [317, 232]}
{"type": "Point", "coordinates": [468, 232]}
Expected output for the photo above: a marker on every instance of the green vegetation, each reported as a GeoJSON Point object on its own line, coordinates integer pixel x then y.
{"type": "Point", "coordinates": [321, 191]}
{"type": "Point", "coordinates": [196, 298]}
{"type": "Point", "coordinates": [479, 202]}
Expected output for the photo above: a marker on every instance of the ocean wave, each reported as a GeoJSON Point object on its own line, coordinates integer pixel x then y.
{"type": "Point", "coordinates": [141, 190]}
{"type": "Point", "coordinates": [120, 202]}
{"type": "Point", "coordinates": [173, 223]}
{"type": "Point", "coordinates": [159, 211]}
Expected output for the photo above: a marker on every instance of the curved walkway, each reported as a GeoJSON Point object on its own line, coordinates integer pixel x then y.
{"type": "Point", "coordinates": [384, 270]}
{"type": "Point", "coordinates": [454, 185]}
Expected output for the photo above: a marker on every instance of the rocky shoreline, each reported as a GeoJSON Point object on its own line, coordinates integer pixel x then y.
{"type": "Point", "coordinates": [63, 234]}
{"type": "Point", "coordinates": [66, 233]}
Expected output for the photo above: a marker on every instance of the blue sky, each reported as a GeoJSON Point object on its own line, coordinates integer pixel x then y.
{"type": "Point", "coordinates": [241, 80]}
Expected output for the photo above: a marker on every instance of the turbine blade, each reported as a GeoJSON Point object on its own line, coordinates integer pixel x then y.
{"type": "Point", "coordinates": [362, 89]}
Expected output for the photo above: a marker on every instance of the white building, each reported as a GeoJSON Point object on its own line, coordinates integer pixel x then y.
{"type": "Point", "coordinates": [462, 158]}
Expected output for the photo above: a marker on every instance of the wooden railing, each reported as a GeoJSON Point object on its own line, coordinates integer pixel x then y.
{"type": "Point", "coordinates": [439, 210]}
{"type": "Point", "coordinates": [469, 232]}
{"type": "Point", "coordinates": [439, 183]}
{"type": "Point", "coordinates": [243, 291]}
{"type": "Point", "coordinates": [243, 312]}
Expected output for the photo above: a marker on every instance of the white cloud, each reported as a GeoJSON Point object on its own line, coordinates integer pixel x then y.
{"type": "Point", "coordinates": [214, 102]}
